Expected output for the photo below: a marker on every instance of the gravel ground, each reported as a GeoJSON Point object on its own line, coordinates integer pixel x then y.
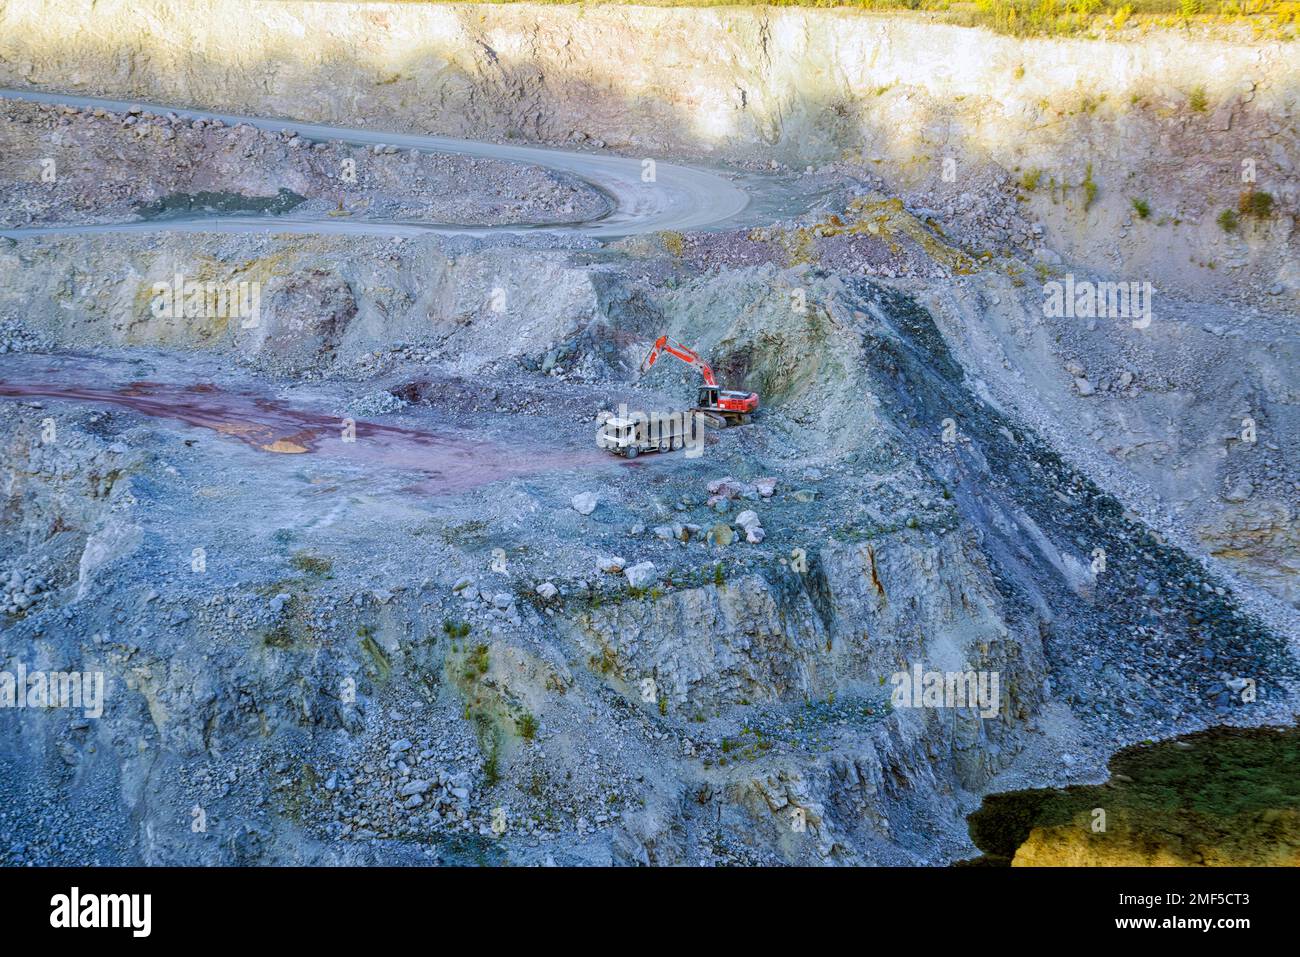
{"type": "Point", "coordinates": [68, 165]}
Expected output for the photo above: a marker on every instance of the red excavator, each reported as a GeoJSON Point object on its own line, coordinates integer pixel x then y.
{"type": "Point", "coordinates": [734, 407]}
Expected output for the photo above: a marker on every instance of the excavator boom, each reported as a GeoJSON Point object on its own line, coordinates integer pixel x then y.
{"type": "Point", "coordinates": [689, 356]}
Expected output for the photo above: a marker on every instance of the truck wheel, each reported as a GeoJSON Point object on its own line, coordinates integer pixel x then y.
{"type": "Point", "coordinates": [631, 451]}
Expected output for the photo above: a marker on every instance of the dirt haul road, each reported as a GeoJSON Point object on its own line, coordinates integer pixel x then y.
{"type": "Point", "coordinates": [647, 196]}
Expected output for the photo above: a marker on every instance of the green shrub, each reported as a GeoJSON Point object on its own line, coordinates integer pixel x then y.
{"type": "Point", "coordinates": [1197, 100]}
{"type": "Point", "coordinates": [1227, 220]}
{"type": "Point", "coordinates": [1256, 204]}
{"type": "Point", "coordinates": [1141, 207]}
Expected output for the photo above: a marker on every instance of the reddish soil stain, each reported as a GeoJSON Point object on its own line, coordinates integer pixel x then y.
{"type": "Point", "coordinates": [450, 462]}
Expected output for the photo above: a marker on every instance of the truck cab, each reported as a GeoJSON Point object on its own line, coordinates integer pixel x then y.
{"type": "Point", "coordinates": [619, 435]}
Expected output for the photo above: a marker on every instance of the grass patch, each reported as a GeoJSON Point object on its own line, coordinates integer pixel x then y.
{"type": "Point", "coordinates": [652, 592]}
{"type": "Point", "coordinates": [1089, 189]}
{"type": "Point", "coordinates": [311, 564]}
{"type": "Point", "coordinates": [492, 764]}
{"type": "Point", "coordinates": [454, 629]}
{"type": "Point", "coordinates": [1142, 208]}
{"type": "Point", "coordinates": [477, 663]}
{"type": "Point", "coordinates": [1227, 221]}
{"type": "Point", "coordinates": [674, 242]}
{"type": "Point", "coordinates": [380, 665]}
{"type": "Point", "coordinates": [279, 637]}
{"type": "Point", "coordinates": [751, 745]}
{"type": "Point", "coordinates": [299, 796]}
{"type": "Point", "coordinates": [487, 708]}
{"type": "Point", "coordinates": [466, 534]}
{"type": "Point", "coordinates": [606, 663]}
{"type": "Point", "coordinates": [1086, 18]}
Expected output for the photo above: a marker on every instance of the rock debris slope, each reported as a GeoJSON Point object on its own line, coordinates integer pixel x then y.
{"type": "Point", "coordinates": [362, 588]}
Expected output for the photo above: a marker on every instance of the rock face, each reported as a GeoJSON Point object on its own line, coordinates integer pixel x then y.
{"type": "Point", "coordinates": [308, 316]}
{"type": "Point", "coordinates": [1263, 538]}
{"type": "Point", "coordinates": [802, 636]}
{"type": "Point", "coordinates": [322, 299]}
{"type": "Point", "coordinates": [759, 75]}
{"type": "Point", "coordinates": [849, 625]}
{"type": "Point", "coordinates": [761, 82]}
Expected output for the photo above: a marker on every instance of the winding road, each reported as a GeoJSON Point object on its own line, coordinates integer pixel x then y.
{"type": "Point", "coordinates": [678, 198]}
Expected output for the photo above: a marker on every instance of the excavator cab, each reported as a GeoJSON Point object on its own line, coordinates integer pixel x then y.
{"type": "Point", "coordinates": [734, 407]}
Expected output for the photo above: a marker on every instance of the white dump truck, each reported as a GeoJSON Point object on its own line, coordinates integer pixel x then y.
{"type": "Point", "coordinates": [631, 433]}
